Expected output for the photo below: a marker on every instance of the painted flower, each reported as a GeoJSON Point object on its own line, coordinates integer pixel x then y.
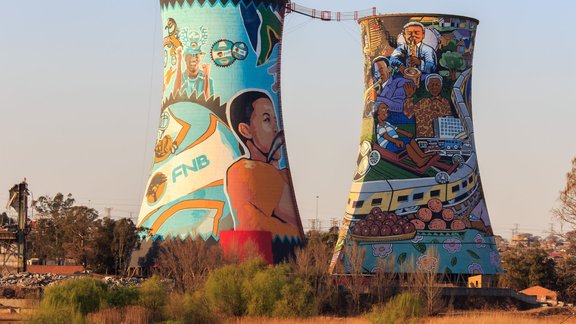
{"type": "Point", "coordinates": [417, 238]}
{"type": "Point", "coordinates": [475, 269]}
{"type": "Point", "coordinates": [452, 245]}
{"type": "Point", "coordinates": [495, 258]}
{"type": "Point", "coordinates": [427, 263]}
{"type": "Point", "coordinates": [479, 240]}
{"type": "Point", "coordinates": [381, 250]}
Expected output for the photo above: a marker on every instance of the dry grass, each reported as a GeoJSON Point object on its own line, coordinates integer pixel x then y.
{"type": "Point", "coordinates": [499, 318]}
{"type": "Point", "coordinates": [484, 317]}
{"type": "Point", "coordinates": [311, 320]}
{"type": "Point", "coordinates": [130, 314]}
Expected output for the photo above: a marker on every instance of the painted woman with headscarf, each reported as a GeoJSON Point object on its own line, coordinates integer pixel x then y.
{"type": "Point", "coordinates": [428, 109]}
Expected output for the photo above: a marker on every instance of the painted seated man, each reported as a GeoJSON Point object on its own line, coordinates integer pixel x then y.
{"type": "Point", "coordinates": [260, 193]}
{"type": "Point", "coordinates": [429, 109]}
{"type": "Point", "coordinates": [392, 93]}
{"type": "Point", "coordinates": [395, 139]}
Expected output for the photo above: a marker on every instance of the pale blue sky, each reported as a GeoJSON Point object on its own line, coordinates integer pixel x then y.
{"type": "Point", "coordinates": [80, 99]}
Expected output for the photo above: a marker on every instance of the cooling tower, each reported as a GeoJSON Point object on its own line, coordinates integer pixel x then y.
{"type": "Point", "coordinates": [220, 171]}
{"type": "Point", "coordinates": [416, 201]}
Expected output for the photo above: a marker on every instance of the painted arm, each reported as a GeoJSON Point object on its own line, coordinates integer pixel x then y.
{"type": "Point", "coordinates": [409, 106]}
{"type": "Point", "coordinates": [393, 140]}
{"type": "Point", "coordinates": [405, 133]}
{"type": "Point", "coordinates": [250, 218]}
{"type": "Point", "coordinates": [428, 64]}
{"type": "Point", "coordinates": [178, 81]}
{"type": "Point", "coordinates": [207, 81]}
{"type": "Point", "coordinates": [395, 57]}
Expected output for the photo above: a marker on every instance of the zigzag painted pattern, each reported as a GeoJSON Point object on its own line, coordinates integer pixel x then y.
{"type": "Point", "coordinates": [274, 3]}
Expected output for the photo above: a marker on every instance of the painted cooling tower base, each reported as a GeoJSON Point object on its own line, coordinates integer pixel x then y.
{"type": "Point", "coordinates": [416, 201]}
{"type": "Point", "coordinates": [220, 170]}
{"type": "Point", "coordinates": [244, 243]}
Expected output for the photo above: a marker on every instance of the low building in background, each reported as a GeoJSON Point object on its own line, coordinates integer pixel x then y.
{"type": "Point", "coordinates": [543, 295]}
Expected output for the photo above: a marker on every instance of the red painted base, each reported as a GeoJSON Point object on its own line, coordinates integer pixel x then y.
{"type": "Point", "coordinates": [235, 241]}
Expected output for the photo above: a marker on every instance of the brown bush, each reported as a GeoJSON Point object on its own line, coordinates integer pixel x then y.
{"type": "Point", "coordinates": [128, 315]}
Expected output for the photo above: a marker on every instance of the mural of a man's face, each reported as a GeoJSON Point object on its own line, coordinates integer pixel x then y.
{"type": "Point", "coordinates": [434, 87]}
{"type": "Point", "coordinates": [263, 126]}
{"type": "Point", "coordinates": [192, 63]}
{"type": "Point", "coordinates": [383, 70]}
{"type": "Point", "coordinates": [413, 34]}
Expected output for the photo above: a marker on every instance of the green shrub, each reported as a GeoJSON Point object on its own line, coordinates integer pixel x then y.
{"type": "Point", "coordinates": [254, 289]}
{"type": "Point", "coordinates": [189, 308]}
{"type": "Point", "coordinates": [84, 294]}
{"type": "Point", "coordinates": [152, 295]}
{"type": "Point", "coordinates": [224, 287]}
{"type": "Point", "coordinates": [69, 300]}
{"type": "Point", "coordinates": [297, 300]}
{"type": "Point", "coordinates": [401, 308]}
{"type": "Point", "coordinates": [264, 290]}
{"type": "Point", "coordinates": [122, 296]}
{"type": "Point", "coordinates": [57, 315]}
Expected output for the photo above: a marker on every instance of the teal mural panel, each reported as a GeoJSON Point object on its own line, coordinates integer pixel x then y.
{"type": "Point", "coordinates": [220, 161]}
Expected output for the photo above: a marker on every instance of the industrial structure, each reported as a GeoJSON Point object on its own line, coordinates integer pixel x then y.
{"type": "Point", "coordinates": [220, 170]}
{"type": "Point", "coordinates": [416, 202]}
{"type": "Point", "coordinates": [13, 235]}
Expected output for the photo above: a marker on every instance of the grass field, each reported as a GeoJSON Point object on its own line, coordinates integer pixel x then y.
{"type": "Point", "coordinates": [485, 317]}
{"type": "Point", "coordinates": [540, 316]}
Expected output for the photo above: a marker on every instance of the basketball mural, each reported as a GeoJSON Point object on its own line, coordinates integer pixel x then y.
{"type": "Point", "coordinates": [416, 199]}
{"type": "Point", "coordinates": [220, 170]}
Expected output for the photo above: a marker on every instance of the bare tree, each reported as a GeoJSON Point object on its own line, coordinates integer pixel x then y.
{"type": "Point", "coordinates": [354, 256]}
{"type": "Point", "coordinates": [567, 210]}
{"type": "Point", "coordinates": [188, 262]}
{"type": "Point", "coordinates": [385, 283]}
{"type": "Point", "coordinates": [312, 263]}
{"type": "Point", "coordinates": [425, 283]}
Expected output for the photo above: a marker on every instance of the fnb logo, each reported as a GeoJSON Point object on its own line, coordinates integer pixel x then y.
{"type": "Point", "coordinates": [198, 164]}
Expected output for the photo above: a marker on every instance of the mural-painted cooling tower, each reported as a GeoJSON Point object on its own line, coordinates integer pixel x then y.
{"type": "Point", "coordinates": [416, 199]}
{"type": "Point", "coordinates": [220, 168]}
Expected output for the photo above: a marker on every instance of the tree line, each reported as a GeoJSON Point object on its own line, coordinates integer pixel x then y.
{"type": "Point", "coordinates": [68, 233]}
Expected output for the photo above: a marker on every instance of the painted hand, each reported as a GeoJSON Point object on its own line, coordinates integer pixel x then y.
{"type": "Point", "coordinates": [409, 89]}
{"type": "Point", "coordinates": [414, 61]}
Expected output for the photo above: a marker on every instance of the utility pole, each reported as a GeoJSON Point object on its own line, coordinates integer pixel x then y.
{"type": "Point", "coordinates": [515, 230]}
{"type": "Point", "coordinates": [317, 208]}
{"type": "Point", "coordinates": [312, 224]}
{"type": "Point", "coordinates": [334, 222]}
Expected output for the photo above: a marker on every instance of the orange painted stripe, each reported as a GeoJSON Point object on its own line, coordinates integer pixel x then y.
{"type": "Point", "coordinates": [148, 216]}
{"type": "Point", "coordinates": [211, 130]}
{"type": "Point", "coordinates": [213, 184]}
{"type": "Point", "coordinates": [188, 204]}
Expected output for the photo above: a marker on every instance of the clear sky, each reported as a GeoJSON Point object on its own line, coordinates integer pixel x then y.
{"type": "Point", "coordinates": [80, 100]}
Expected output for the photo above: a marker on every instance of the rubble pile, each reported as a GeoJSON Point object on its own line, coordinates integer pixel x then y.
{"type": "Point", "coordinates": [123, 281]}
{"type": "Point", "coordinates": [25, 279]}
{"type": "Point", "coordinates": [33, 280]}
